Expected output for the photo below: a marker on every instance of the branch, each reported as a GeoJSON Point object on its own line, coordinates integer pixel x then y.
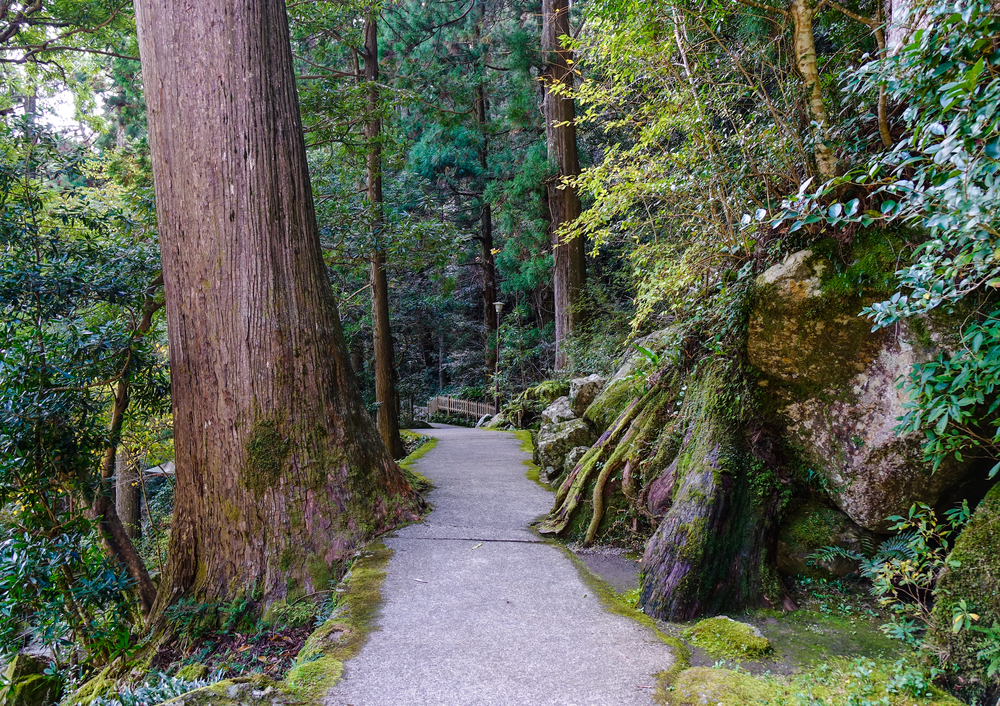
{"type": "Point", "coordinates": [867, 21]}
{"type": "Point", "coordinates": [762, 6]}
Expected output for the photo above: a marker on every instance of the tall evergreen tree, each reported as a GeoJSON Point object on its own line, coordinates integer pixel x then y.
{"type": "Point", "coordinates": [280, 471]}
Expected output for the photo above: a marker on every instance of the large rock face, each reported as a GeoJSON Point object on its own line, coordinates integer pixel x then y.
{"type": "Point", "coordinates": [832, 382]}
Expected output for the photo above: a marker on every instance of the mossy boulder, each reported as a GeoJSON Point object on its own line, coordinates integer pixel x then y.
{"type": "Point", "coordinates": [724, 637]}
{"type": "Point", "coordinates": [555, 441]}
{"type": "Point", "coordinates": [972, 576]}
{"type": "Point", "coordinates": [703, 686]}
{"type": "Point", "coordinates": [583, 391]}
{"type": "Point", "coordinates": [27, 683]}
{"type": "Point", "coordinates": [808, 526]}
{"type": "Point", "coordinates": [831, 382]}
{"type": "Point", "coordinates": [192, 672]}
{"type": "Point", "coordinates": [558, 412]}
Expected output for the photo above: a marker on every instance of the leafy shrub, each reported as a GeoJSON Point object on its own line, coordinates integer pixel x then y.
{"type": "Point", "coordinates": [905, 568]}
{"type": "Point", "coordinates": [157, 689]}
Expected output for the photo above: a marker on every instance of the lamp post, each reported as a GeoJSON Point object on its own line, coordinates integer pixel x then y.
{"type": "Point", "coordinates": [496, 372]}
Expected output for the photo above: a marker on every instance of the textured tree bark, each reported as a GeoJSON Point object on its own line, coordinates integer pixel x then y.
{"type": "Point", "coordinates": [386, 395]}
{"type": "Point", "coordinates": [690, 473]}
{"type": "Point", "coordinates": [805, 58]}
{"type": "Point", "coordinates": [569, 262]}
{"type": "Point", "coordinates": [128, 493]}
{"type": "Point", "coordinates": [280, 471]}
{"type": "Point", "coordinates": [486, 240]}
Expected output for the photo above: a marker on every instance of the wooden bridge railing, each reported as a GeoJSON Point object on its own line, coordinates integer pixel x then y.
{"type": "Point", "coordinates": [453, 405]}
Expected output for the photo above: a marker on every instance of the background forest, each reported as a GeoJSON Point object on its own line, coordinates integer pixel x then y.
{"type": "Point", "coordinates": [633, 182]}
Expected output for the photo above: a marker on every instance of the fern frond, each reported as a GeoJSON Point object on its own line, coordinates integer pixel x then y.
{"type": "Point", "coordinates": [828, 553]}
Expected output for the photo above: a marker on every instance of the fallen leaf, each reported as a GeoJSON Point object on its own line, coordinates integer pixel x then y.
{"type": "Point", "coordinates": [477, 546]}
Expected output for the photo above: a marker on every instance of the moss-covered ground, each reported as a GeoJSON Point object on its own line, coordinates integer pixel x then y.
{"type": "Point", "coordinates": [418, 446]}
{"type": "Point", "coordinates": [319, 664]}
{"type": "Point", "coordinates": [830, 651]}
{"type": "Point", "coordinates": [527, 446]}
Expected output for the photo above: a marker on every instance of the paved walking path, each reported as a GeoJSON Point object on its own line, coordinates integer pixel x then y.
{"type": "Point", "coordinates": [477, 610]}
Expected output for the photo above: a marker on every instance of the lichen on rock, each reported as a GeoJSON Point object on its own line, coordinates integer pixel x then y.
{"type": "Point", "coordinates": [554, 442]}
{"type": "Point", "coordinates": [832, 383]}
{"type": "Point", "coordinates": [558, 412]}
{"type": "Point", "coordinates": [583, 391]}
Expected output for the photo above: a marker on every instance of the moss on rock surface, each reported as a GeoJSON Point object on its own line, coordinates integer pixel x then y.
{"type": "Point", "coordinates": [830, 382]}
{"type": "Point", "coordinates": [27, 683]}
{"type": "Point", "coordinates": [702, 686]}
{"type": "Point", "coordinates": [808, 526]}
{"type": "Point", "coordinates": [192, 672]}
{"type": "Point", "coordinates": [725, 637]}
{"type": "Point", "coordinates": [973, 576]}
{"type": "Point", "coordinates": [839, 683]}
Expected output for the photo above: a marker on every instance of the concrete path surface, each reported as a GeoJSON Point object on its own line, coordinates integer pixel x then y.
{"type": "Point", "coordinates": [477, 610]}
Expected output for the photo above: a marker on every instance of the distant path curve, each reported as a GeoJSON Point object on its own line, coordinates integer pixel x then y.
{"type": "Point", "coordinates": [477, 610]}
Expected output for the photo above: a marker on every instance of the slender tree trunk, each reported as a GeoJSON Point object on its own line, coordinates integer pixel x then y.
{"type": "Point", "coordinates": [116, 537]}
{"type": "Point", "coordinates": [128, 493]}
{"type": "Point", "coordinates": [486, 240]}
{"type": "Point", "coordinates": [280, 471]}
{"type": "Point", "coordinates": [441, 358]}
{"type": "Point", "coordinates": [386, 395]}
{"type": "Point", "coordinates": [569, 265]}
{"type": "Point", "coordinates": [805, 58]}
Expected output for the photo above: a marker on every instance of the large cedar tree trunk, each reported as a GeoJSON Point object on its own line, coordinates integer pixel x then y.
{"type": "Point", "coordinates": [569, 267]}
{"type": "Point", "coordinates": [386, 394]}
{"type": "Point", "coordinates": [280, 471]}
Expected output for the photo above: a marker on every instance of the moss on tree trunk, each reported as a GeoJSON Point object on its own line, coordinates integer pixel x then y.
{"type": "Point", "coordinates": [677, 459]}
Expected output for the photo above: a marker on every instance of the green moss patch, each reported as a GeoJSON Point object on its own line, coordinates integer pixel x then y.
{"type": "Point", "coordinates": [725, 637]}
{"type": "Point", "coordinates": [419, 482]}
{"type": "Point", "coordinates": [838, 683]}
{"type": "Point", "coordinates": [319, 665]}
{"type": "Point", "coordinates": [528, 447]}
{"type": "Point", "coordinates": [266, 453]}
{"type": "Point", "coordinates": [192, 672]}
